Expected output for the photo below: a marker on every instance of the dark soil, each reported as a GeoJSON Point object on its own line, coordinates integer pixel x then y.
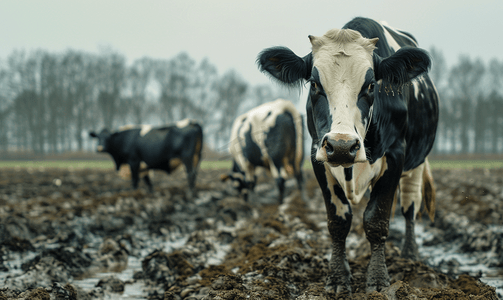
{"type": "Point", "coordinates": [66, 225]}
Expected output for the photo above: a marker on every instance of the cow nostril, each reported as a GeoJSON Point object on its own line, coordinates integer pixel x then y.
{"type": "Point", "coordinates": [355, 147]}
{"type": "Point", "coordinates": [329, 148]}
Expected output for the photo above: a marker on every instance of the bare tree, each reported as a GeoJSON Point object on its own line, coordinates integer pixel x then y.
{"type": "Point", "coordinates": [204, 94]}
{"type": "Point", "coordinates": [111, 75]}
{"type": "Point", "coordinates": [5, 110]}
{"type": "Point", "coordinates": [138, 78]}
{"type": "Point", "coordinates": [175, 80]}
{"type": "Point", "coordinates": [464, 81]}
{"type": "Point", "coordinates": [494, 105]}
{"type": "Point", "coordinates": [231, 91]}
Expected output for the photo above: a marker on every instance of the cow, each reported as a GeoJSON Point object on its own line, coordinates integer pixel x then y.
{"type": "Point", "coordinates": [372, 113]}
{"type": "Point", "coordinates": [159, 148]}
{"type": "Point", "coordinates": [269, 136]}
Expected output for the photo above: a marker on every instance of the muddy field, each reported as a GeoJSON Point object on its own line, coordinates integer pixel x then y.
{"type": "Point", "coordinates": [84, 234]}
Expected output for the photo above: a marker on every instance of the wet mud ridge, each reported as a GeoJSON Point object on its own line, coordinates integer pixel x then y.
{"type": "Point", "coordinates": [83, 234]}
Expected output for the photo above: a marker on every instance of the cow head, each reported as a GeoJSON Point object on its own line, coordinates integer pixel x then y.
{"type": "Point", "coordinates": [344, 74]}
{"type": "Point", "coordinates": [237, 180]}
{"type": "Point", "coordinates": [103, 139]}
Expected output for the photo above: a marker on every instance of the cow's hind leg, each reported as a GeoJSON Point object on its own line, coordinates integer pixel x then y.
{"type": "Point", "coordinates": [410, 202]}
{"type": "Point", "coordinates": [147, 180]}
{"type": "Point", "coordinates": [412, 185]}
{"type": "Point", "coordinates": [298, 177]}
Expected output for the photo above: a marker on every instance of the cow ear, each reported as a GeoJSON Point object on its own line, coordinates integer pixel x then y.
{"type": "Point", "coordinates": [284, 65]}
{"type": "Point", "coordinates": [403, 66]}
{"type": "Point", "coordinates": [92, 134]}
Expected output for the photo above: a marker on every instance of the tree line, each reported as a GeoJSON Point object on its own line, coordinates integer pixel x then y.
{"type": "Point", "coordinates": [471, 105]}
{"type": "Point", "coordinates": [50, 101]}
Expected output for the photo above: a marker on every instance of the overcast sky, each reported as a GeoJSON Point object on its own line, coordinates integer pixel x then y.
{"type": "Point", "coordinates": [232, 32]}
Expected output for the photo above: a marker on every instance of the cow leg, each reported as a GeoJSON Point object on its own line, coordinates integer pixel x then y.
{"type": "Point", "coordinates": [191, 175]}
{"type": "Point", "coordinates": [376, 221]}
{"type": "Point", "coordinates": [298, 177]}
{"type": "Point", "coordinates": [280, 182]}
{"type": "Point", "coordinates": [411, 185]}
{"type": "Point", "coordinates": [339, 223]}
{"type": "Point", "coordinates": [279, 173]}
{"type": "Point", "coordinates": [250, 180]}
{"type": "Point", "coordinates": [135, 173]}
{"type": "Point", "coordinates": [146, 178]}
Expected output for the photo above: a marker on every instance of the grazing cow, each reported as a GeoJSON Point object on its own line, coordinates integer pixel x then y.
{"type": "Point", "coordinates": [160, 148]}
{"type": "Point", "coordinates": [372, 112]}
{"type": "Point", "coordinates": [269, 136]}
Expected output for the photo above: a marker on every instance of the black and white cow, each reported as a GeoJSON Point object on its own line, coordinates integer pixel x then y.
{"type": "Point", "coordinates": [372, 113]}
{"type": "Point", "coordinates": [269, 136]}
{"type": "Point", "coordinates": [159, 148]}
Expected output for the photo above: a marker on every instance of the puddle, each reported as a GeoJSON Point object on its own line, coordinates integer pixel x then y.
{"type": "Point", "coordinates": [440, 258]}
{"type": "Point", "coordinates": [131, 290]}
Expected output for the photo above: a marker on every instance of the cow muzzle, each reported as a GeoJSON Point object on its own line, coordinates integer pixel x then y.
{"type": "Point", "coordinates": [341, 149]}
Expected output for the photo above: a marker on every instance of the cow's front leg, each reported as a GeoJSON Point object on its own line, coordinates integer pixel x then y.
{"type": "Point", "coordinates": [135, 173]}
{"type": "Point", "coordinates": [191, 170]}
{"type": "Point", "coordinates": [280, 182]}
{"type": "Point", "coordinates": [339, 223]}
{"type": "Point", "coordinates": [376, 223]}
{"type": "Point", "coordinates": [250, 181]}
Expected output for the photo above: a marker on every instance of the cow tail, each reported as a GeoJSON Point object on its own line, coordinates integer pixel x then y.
{"type": "Point", "coordinates": [198, 146]}
{"type": "Point", "coordinates": [429, 195]}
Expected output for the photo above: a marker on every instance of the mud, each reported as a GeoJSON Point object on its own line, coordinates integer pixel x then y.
{"type": "Point", "coordinates": [84, 234]}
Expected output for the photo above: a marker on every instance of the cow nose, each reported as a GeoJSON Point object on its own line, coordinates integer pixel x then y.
{"type": "Point", "coordinates": [341, 151]}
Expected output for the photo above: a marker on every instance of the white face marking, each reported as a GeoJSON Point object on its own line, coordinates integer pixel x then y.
{"type": "Point", "coordinates": [342, 59]}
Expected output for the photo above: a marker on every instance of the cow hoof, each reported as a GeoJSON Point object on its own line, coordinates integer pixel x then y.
{"type": "Point", "coordinates": [341, 289]}
{"type": "Point", "coordinates": [410, 251]}
{"type": "Point", "coordinates": [376, 287]}
{"type": "Point", "coordinates": [410, 254]}
{"type": "Point", "coordinates": [377, 283]}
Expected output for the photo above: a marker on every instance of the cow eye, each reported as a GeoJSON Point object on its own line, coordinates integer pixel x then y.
{"type": "Point", "coordinates": [314, 85]}
{"type": "Point", "coordinates": [371, 87]}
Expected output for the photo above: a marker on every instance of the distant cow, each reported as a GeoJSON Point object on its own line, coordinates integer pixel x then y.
{"type": "Point", "coordinates": [372, 113]}
{"type": "Point", "coordinates": [269, 136]}
{"type": "Point", "coordinates": [160, 148]}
